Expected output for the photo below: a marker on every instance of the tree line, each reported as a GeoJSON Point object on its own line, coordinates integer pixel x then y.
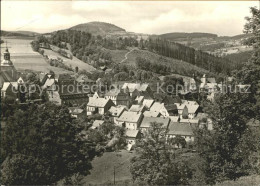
{"type": "Point", "coordinates": [199, 58]}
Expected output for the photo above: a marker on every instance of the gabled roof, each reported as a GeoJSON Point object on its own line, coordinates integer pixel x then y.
{"type": "Point", "coordinates": [117, 111]}
{"type": "Point", "coordinates": [180, 106]}
{"type": "Point", "coordinates": [136, 108]}
{"type": "Point", "coordinates": [139, 99]}
{"type": "Point", "coordinates": [137, 86]}
{"type": "Point", "coordinates": [97, 124]}
{"type": "Point", "coordinates": [192, 108]}
{"type": "Point", "coordinates": [152, 114]}
{"type": "Point", "coordinates": [148, 103]}
{"type": "Point", "coordinates": [132, 117]}
{"type": "Point", "coordinates": [5, 86]}
{"type": "Point", "coordinates": [157, 106]}
{"type": "Point", "coordinates": [131, 133]}
{"type": "Point", "coordinates": [98, 102]}
{"type": "Point", "coordinates": [76, 111]}
{"type": "Point", "coordinates": [146, 123]}
{"type": "Point", "coordinates": [184, 129]}
{"type": "Point", "coordinates": [49, 82]}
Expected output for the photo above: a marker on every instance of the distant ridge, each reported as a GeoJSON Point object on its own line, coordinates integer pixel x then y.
{"type": "Point", "coordinates": [98, 28]}
{"type": "Point", "coordinates": [178, 35]}
{"type": "Point", "coordinates": [18, 33]}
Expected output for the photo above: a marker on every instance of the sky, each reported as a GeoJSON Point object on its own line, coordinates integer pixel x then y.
{"type": "Point", "coordinates": [150, 17]}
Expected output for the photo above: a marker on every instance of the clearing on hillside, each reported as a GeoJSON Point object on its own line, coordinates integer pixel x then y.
{"type": "Point", "coordinates": [24, 58]}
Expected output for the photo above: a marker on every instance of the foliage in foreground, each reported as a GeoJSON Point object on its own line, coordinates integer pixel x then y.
{"type": "Point", "coordinates": [39, 145]}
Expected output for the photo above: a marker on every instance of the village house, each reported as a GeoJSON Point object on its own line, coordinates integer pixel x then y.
{"type": "Point", "coordinates": [165, 110]}
{"type": "Point", "coordinates": [137, 89]}
{"type": "Point", "coordinates": [72, 94]}
{"type": "Point", "coordinates": [182, 110]}
{"type": "Point", "coordinates": [96, 124]}
{"type": "Point", "coordinates": [99, 105]}
{"type": "Point", "coordinates": [146, 123]}
{"type": "Point", "coordinates": [77, 112]}
{"type": "Point", "coordinates": [119, 97]}
{"type": "Point", "coordinates": [192, 110]}
{"type": "Point", "coordinates": [130, 120]}
{"type": "Point", "coordinates": [116, 112]}
{"type": "Point", "coordinates": [131, 137]}
{"type": "Point", "coordinates": [9, 90]}
{"type": "Point", "coordinates": [184, 130]}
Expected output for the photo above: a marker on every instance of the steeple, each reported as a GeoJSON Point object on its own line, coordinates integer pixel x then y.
{"type": "Point", "coordinates": [7, 59]}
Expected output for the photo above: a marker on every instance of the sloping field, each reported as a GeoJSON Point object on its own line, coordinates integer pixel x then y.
{"type": "Point", "coordinates": [23, 57]}
{"type": "Point", "coordinates": [103, 168]}
{"type": "Point", "coordinates": [74, 62]}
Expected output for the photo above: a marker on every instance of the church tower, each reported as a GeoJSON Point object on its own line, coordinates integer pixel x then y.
{"type": "Point", "coordinates": [7, 66]}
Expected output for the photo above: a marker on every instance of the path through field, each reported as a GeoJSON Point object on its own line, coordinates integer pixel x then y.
{"type": "Point", "coordinates": [127, 55]}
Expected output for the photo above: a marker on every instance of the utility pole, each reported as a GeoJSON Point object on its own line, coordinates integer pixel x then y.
{"type": "Point", "coordinates": [114, 175]}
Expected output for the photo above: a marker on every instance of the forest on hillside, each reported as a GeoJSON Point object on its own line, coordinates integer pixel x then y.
{"type": "Point", "coordinates": [217, 65]}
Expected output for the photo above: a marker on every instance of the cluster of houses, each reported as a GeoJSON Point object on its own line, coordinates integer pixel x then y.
{"type": "Point", "coordinates": [133, 108]}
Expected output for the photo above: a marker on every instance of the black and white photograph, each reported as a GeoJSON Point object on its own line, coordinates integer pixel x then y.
{"type": "Point", "coordinates": [130, 93]}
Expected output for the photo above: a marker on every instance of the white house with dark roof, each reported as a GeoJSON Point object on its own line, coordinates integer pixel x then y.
{"type": "Point", "coordinates": [130, 120]}
{"type": "Point", "coordinates": [98, 105]}
{"type": "Point", "coordinates": [146, 123]}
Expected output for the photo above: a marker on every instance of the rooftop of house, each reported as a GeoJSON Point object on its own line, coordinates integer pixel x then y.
{"type": "Point", "coordinates": [176, 128]}
{"type": "Point", "coordinates": [97, 102]}
{"type": "Point", "coordinates": [192, 108]}
{"type": "Point", "coordinates": [152, 114]}
{"type": "Point", "coordinates": [146, 123]}
{"type": "Point", "coordinates": [180, 106]}
{"type": "Point", "coordinates": [137, 86]}
{"type": "Point", "coordinates": [75, 110]}
{"type": "Point", "coordinates": [97, 124]}
{"type": "Point", "coordinates": [116, 111]}
{"type": "Point", "coordinates": [7, 84]}
{"type": "Point", "coordinates": [148, 103]}
{"type": "Point", "coordinates": [174, 118]}
{"type": "Point", "coordinates": [131, 133]}
{"type": "Point", "coordinates": [191, 121]}
{"type": "Point", "coordinates": [139, 99]}
{"type": "Point", "coordinates": [136, 108]}
{"type": "Point", "coordinates": [128, 116]}
{"type": "Point", "coordinates": [157, 106]}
